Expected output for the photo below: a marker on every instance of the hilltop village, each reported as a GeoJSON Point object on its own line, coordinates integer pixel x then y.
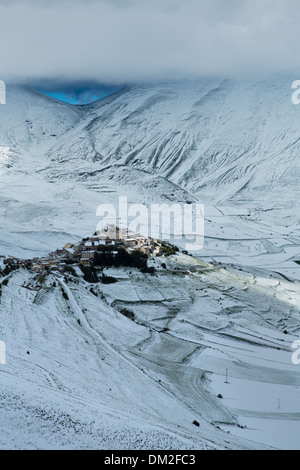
{"type": "Point", "coordinates": [112, 247]}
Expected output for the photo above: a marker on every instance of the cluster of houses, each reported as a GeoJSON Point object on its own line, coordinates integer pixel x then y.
{"type": "Point", "coordinates": [84, 251]}
{"type": "Point", "coordinates": [13, 260]}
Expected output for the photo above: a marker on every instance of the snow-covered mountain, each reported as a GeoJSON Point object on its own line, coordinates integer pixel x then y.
{"type": "Point", "coordinates": [30, 118]}
{"type": "Point", "coordinates": [231, 145]}
{"type": "Point", "coordinates": [76, 368]}
{"type": "Point", "coordinates": [219, 139]}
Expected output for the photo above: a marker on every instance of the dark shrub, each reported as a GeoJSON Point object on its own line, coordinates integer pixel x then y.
{"type": "Point", "coordinates": [104, 257]}
{"type": "Point", "coordinates": [108, 279]}
{"type": "Point", "coordinates": [69, 269]}
{"type": "Point", "coordinates": [127, 313]}
{"type": "Point", "coordinates": [168, 249]}
{"type": "Point", "coordinates": [148, 270]}
{"type": "Point", "coordinates": [64, 294]}
{"type": "Point", "coordinates": [89, 274]}
{"type": "Point", "coordinates": [93, 292]}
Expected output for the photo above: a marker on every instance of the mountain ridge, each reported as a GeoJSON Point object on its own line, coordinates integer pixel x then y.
{"type": "Point", "coordinates": [228, 144]}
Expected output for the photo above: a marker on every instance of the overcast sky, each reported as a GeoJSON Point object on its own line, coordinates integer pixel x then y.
{"type": "Point", "coordinates": [121, 41]}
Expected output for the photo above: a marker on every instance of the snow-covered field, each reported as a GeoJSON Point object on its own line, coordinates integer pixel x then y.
{"type": "Point", "coordinates": [95, 379]}
{"type": "Point", "coordinates": [80, 374]}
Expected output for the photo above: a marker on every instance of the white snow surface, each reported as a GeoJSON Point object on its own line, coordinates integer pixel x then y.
{"type": "Point", "coordinates": [80, 374]}
{"type": "Point", "coordinates": [109, 382]}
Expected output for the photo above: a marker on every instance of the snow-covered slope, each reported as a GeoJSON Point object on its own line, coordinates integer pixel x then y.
{"type": "Point", "coordinates": [222, 139]}
{"type": "Point", "coordinates": [30, 118]}
{"type": "Point", "coordinates": [230, 145]}
{"type": "Point", "coordinates": [80, 375]}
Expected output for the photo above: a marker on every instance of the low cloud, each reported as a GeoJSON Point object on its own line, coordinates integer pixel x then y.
{"type": "Point", "coordinates": [117, 41]}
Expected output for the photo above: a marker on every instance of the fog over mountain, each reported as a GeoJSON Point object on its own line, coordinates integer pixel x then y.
{"type": "Point", "coordinates": [128, 41]}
